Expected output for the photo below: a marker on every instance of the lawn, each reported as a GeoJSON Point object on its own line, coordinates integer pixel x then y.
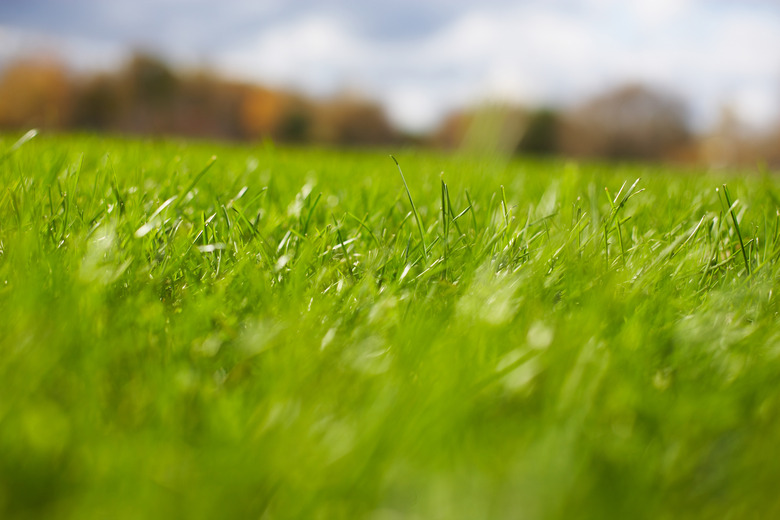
{"type": "Point", "coordinates": [202, 330]}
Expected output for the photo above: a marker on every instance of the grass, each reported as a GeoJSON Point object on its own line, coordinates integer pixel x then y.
{"type": "Point", "coordinates": [283, 333]}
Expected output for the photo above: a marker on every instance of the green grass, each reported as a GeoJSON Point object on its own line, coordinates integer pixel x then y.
{"type": "Point", "coordinates": [283, 333]}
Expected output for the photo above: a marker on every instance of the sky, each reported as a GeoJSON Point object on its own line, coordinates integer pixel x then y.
{"type": "Point", "coordinates": [424, 58]}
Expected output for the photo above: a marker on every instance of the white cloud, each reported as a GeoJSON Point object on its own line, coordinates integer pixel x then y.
{"type": "Point", "coordinates": [534, 53]}
{"type": "Point", "coordinates": [658, 13]}
{"type": "Point", "coordinates": [79, 53]}
{"type": "Point", "coordinates": [712, 53]}
{"type": "Point", "coordinates": [709, 57]}
{"type": "Point", "coordinates": [412, 106]}
{"type": "Point", "coordinates": [313, 53]}
{"type": "Point", "coordinates": [757, 105]}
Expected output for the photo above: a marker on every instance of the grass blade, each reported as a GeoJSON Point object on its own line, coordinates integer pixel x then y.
{"type": "Point", "coordinates": [414, 208]}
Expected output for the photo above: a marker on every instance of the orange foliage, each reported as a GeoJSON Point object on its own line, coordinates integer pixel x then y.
{"type": "Point", "coordinates": [35, 93]}
{"type": "Point", "coordinates": [146, 96]}
{"type": "Point", "coordinates": [261, 111]}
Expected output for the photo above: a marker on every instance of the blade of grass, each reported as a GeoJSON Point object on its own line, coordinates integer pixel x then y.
{"type": "Point", "coordinates": [736, 227]}
{"type": "Point", "coordinates": [414, 208]}
{"type": "Point", "coordinates": [195, 181]}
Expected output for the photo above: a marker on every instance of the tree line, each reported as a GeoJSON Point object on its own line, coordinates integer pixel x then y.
{"type": "Point", "coordinates": [148, 97]}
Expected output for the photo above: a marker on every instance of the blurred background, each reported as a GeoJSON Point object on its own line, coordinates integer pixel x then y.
{"type": "Point", "coordinates": [693, 81]}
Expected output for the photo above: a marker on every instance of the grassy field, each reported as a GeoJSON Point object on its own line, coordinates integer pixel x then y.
{"type": "Point", "coordinates": [290, 333]}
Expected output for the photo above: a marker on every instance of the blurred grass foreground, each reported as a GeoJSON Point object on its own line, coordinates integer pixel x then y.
{"type": "Point", "coordinates": [214, 331]}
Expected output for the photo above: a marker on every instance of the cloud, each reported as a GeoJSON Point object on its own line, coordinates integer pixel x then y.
{"type": "Point", "coordinates": [423, 58]}
{"type": "Point", "coordinates": [80, 53]}
{"type": "Point", "coordinates": [532, 52]}
{"type": "Point", "coordinates": [314, 53]}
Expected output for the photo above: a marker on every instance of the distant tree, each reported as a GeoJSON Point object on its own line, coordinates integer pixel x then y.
{"type": "Point", "coordinates": [772, 148]}
{"type": "Point", "coordinates": [150, 80]}
{"type": "Point", "coordinates": [351, 120]}
{"type": "Point", "coordinates": [630, 122]}
{"type": "Point", "coordinates": [295, 122]}
{"type": "Point", "coordinates": [261, 112]}
{"type": "Point", "coordinates": [146, 96]}
{"type": "Point", "coordinates": [98, 104]}
{"type": "Point", "coordinates": [541, 135]}
{"type": "Point", "coordinates": [35, 93]}
{"type": "Point", "coordinates": [208, 106]}
{"type": "Point", "coordinates": [771, 144]}
{"type": "Point", "coordinates": [451, 130]}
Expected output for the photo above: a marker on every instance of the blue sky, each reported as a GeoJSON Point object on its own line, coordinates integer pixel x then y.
{"type": "Point", "coordinates": [422, 58]}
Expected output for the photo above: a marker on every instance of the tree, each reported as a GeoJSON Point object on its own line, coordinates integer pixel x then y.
{"type": "Point", "coordinates": [350, 120]}
{"type": "Point", "coordinates": [98, 104]}
{"type": "Point", "coordinates": [35, 93]}
{"type": "Point", "coordinates": [151, 81]}
{"type": "Point", "coordinates": [541, 134]}
{"type": "Point", "coordinates": [630, 122]}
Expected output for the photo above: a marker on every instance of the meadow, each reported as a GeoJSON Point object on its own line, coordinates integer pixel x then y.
{"type": "Point", "coordinates": [203, 330]}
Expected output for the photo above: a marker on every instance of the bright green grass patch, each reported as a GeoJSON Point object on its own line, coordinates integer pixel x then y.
{"type": "Point", "coordinates": [280, 333]}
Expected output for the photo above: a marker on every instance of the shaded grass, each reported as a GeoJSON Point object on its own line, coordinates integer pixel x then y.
{"type": "Point", "coordinates": [283, 332]}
